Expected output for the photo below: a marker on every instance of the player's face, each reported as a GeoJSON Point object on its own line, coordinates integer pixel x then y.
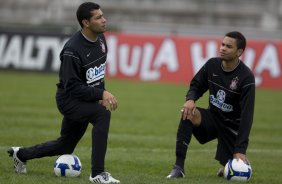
{"type": "Point", "coordinates": [97, 23]}
{"type": "Point", "coordinates": [228, 49]}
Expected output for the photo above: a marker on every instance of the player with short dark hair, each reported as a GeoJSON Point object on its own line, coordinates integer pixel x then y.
{"type": "Point", "coordinates": [81, 97]}
{"type": "Point", "coordinates": [229, 117]}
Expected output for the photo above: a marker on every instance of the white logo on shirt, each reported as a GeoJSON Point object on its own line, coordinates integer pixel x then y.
{"type": "Point", "coordinates": [219, 101]}
{"type": "Point", "coordinates": [234, 83]}
{"type": "Point", "coordinates": [95, 74]}
{"type": "Point", "coordinates": [103, 47]}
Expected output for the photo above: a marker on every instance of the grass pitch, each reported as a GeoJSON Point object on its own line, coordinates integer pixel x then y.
{"type": "Point", "coordinates": [142, 134]}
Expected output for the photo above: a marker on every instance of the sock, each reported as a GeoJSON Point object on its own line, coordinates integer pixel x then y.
{"type": "Point", "coordinates": [183, 139]}
{"type": "Point", "coordinates": [19, 155]}
{"type": "Point", "coordinates": [95, 173]}
{"type": "Point", "coordinates": [99, 148]}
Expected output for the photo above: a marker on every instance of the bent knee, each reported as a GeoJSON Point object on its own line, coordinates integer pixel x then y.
{"type": "Point", "coordinates": [196, 119]}
{"type": "Point", "coordinates": [64, 146]}
{"type": "Point", "coordinates": [104, 112]}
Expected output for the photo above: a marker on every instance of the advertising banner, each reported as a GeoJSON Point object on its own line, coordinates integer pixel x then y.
{"type": "Point", "coordinates": [173, 59]}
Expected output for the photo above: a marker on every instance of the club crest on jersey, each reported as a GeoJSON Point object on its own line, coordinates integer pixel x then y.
{"type": "Point", "coordinates": [103, 47]}
{"type": "Point", "coordinates": [234, 83]}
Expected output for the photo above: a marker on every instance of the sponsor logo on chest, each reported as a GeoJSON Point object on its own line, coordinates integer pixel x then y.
{"type": "Point", "coordinates": [95, 74]}
{"type": "Point", "coordinates": [218, 101]}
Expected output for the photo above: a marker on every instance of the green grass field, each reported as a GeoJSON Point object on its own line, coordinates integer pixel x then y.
{"type": "Point", "coordinates": [142, 134]}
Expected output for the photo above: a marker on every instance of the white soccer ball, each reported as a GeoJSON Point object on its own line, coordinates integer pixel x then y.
{"type": "Point", "coordinates": [67, 165]}
{"type": "Point", "coordinates": [237, 170]}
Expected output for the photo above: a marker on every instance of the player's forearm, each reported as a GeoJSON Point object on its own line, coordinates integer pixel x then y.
{"type": "Point", "coordinates": [246, 120]}
{"type": "Point", "coordinates": [83, 92]}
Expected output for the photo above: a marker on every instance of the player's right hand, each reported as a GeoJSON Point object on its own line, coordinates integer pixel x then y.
{"type": "Point", "coordinates": [110, 99]}
{"type": "Point", "coordinates": [188, 109]}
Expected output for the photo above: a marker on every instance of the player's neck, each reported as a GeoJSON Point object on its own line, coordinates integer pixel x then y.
{"type": "Point", "coordinates": [230, 65]}
{"type": "Point", "coordinates": [88, 35]}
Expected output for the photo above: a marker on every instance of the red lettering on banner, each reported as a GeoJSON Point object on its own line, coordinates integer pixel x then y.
{"type": "Point", "coordinates": [177, 59]}
{"type": "Point", "coordinates": [144, 60]}
{"type": "Point", "coordinates": [174, 59]}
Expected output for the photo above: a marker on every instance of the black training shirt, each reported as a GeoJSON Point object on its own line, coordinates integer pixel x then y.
{"type": "Point", "coordinates": [231, 97]}
{"type": "Point", "coordinates": [82, 69]}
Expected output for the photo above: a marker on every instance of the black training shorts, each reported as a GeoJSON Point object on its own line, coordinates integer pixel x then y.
{"type": "Point", "coordinates": [211, 128]}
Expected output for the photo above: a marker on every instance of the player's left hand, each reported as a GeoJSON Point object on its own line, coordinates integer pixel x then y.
{"type": "Point", "coordinates": [241, 156]}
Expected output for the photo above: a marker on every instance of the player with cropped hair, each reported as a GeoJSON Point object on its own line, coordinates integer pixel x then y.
{"type": "Point", "coordinates": [229, 117]}
{"type": "Point", "coordinates": [81, 97]}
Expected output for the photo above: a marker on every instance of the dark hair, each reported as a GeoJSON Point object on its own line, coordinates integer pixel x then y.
{"type": "Point", "coordinates": [84, 11]}
{"type": "Point", "coordinates": [239, 37]}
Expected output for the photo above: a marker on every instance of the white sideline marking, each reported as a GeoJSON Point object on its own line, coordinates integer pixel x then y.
{"type": "Point", "coordinates": [197, 150]}
{"type": "Point", "coordinates": [169, 150]}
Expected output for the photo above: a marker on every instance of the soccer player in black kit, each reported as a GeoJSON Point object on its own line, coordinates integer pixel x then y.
{"type": "Point", "coordinates": [229, 117]}
{"type": "Point", "coordinates": [81, 97]}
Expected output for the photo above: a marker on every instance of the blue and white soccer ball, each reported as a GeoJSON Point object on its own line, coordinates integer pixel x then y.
{"type": "Point", "coordinates": [237, 170]}
{"type": "Point", "coordinates": [68, 166]}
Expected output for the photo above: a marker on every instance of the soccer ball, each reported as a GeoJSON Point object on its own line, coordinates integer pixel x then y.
{"type": "Point", "coordinates": [237, 170]}
{"type": "Point", "coordinates": [67, 165]}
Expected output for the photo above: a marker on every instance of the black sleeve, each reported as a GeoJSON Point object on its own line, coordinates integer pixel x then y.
{"type": "Point", "coordinates": [72, 77]}
{"type": "Point", "coordinates": [247, 111]}
{"type": "Point", "coordinates": [198, 85]}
